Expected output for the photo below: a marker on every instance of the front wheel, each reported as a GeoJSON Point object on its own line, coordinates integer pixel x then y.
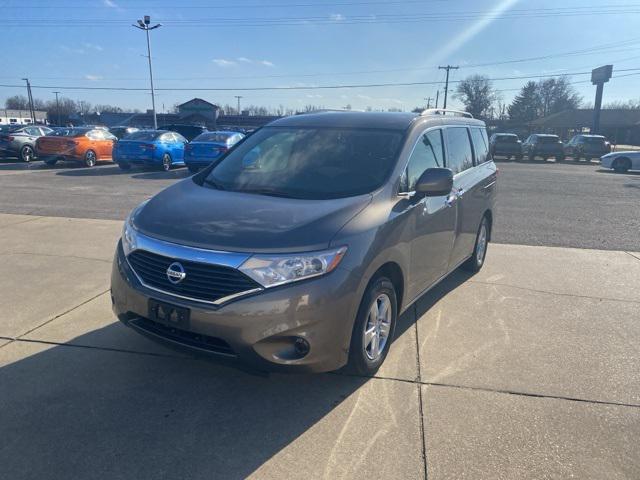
{"type": "Point", "coordinates": [374, 326]}
{"type": "Point", "coordinates": [27, 154]}
{"type": "Point", "coordinates": [622, 165]}
{"type": "Point", "coordinates": [90, 158]}
{"type": "Point", "coordinates": [166, 162]}
{"type": "Point", "coordinates": [476, 261]}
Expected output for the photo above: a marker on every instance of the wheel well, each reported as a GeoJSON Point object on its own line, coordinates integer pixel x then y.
{"type": "Point", "coordinates": [393, 271]}
{"type": "Point", "coordinates": [621, 160]}
{"type": "Point", "coordinates": [489, 216]}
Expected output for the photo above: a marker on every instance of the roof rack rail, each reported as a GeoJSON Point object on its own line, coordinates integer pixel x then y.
{"type": "Point", "coordinates": [445, 111]}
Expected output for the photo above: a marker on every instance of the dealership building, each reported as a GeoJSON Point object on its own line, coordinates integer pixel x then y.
{"type": "Point", "coordinates": [20, 117]}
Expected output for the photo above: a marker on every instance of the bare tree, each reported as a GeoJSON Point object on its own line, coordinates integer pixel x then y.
{"type": "Point", "coordinates": [477, 94]}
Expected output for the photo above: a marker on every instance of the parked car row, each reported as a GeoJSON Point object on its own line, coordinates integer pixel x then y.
{"type": "Point", "coordinates": [546, 146]}
{"type": "Point", "coordinates": [126, 146]}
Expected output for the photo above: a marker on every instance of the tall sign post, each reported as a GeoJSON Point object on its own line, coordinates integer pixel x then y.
{"type": "Point", "coordinates": [599, 77]}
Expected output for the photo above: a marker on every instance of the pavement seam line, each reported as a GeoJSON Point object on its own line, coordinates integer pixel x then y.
{"type": "Point", "coordinates": [423, 433]}
{"type": "Point", "coordinates": [343, 374]}
{"type": "Point", "coordinates": [36, 217]}
{"type": "Point", "coordinates": [629, 253]}
{"type": "Point", "coordinates": [494, 390]}
{"type": "Point", "coordinates": [92, 347]}
{"type": "Point", "coordinates": [560, 294]}
{"type": "Point", "coordinates": [61, 314]}
{"type": "Point", "coordinates": [55, 256]}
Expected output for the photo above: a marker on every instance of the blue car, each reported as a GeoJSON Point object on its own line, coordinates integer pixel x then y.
{"type": "Point", "coordinates": [209, 146]}
{"type": "Point", "coordinates": [154, 148]}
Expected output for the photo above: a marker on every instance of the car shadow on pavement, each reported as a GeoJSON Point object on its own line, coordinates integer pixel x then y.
{"type": "Point", "coordinates": [77, 411]}
{"type": "Point", "coordinates": [177, 174]}
{"type": "Point", "coordinates": [613, 172]}
{"type": "Point", "coordinates": [100, 170]}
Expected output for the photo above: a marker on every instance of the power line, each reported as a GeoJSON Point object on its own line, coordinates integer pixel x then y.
{"type": "Point", "coordinates": [298, 87]}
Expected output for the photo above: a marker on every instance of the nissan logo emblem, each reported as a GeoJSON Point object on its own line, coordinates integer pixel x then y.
{"type": "Point", "coordinates": [176, 273]}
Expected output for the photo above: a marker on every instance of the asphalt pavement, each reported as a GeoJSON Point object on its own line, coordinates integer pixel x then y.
{"type": "Point", "coordinates": [543, 204]}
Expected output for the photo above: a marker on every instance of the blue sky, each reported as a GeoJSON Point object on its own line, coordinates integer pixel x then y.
{"type": "Point", "coordinates": [300, 43]}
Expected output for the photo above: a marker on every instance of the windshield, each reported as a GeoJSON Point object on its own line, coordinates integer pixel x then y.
{"type": "Point", "coordinates": [507, 139]}
{"type": "Point", "coordinates": [309, 163]}
{"type": "Point", "coordinates": [549, 139]}
{"type": "Point", "coordinates": [143, 136]}
{"type": "Point", "coordinates": [213, 137]}
{"type": "Point", "coordinates": [594, 140]}
{"type": "Point", "coordinates": [69, 132]}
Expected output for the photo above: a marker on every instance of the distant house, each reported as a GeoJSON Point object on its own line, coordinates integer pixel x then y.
{"type": "Point", "coordinates": [20, 117]}
{"type": "Point", "coordinates": [621, 126]}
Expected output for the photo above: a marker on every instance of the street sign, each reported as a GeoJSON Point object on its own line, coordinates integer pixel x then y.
{"type": "Point", "coordinates": [601, 74]}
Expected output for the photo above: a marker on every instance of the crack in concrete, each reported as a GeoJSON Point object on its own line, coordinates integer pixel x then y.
{"type": "Point", "coordinates": [54, 255]}
{"type": "Point", "coordinates": [423, 433]}
{"type": "Point", "coordinates": [633, 255]}
{"type": "Point", "coordinates": [560, 294]}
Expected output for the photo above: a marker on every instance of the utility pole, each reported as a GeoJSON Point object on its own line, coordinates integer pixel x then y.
{"type": "Point", "coordinates": [446, 87]}
{"type": "Point", "coordinates": [144, 25]}
{"type": "Point", "coordinates": [32, 111]}
{"type": "Point", "coordinates": [58, 108]}
{"type": "Point", "coordinates": [437, 97]}
{"type": "Point", "coordinates": [428, 99]}
{"type": "Point", "coordinates": [238, 97]}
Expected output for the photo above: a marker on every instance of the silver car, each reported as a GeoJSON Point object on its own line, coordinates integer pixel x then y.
{"type": "Point", "coordinates": [299, 248]}
{"type": "Point", "coordinates": [20, 141]}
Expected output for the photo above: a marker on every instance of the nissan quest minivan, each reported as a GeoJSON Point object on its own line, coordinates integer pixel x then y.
{"type": "Point", "coordinates": [300, 247]}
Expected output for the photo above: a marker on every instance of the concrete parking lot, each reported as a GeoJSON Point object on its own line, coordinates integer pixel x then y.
{"type": "Point", "coordinates": [528, 369]}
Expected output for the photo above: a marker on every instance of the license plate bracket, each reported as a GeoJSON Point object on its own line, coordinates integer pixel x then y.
{"type": "Point", "coordinates": [169, 315]}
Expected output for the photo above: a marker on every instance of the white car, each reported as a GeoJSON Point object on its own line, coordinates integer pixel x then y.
{"type": "Point", "coordinates": [621, 161]}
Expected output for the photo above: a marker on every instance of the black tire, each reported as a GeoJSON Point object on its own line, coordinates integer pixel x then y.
{"type": "Point", "coordinates": [360, 361]}
{"type": "Point", "coordinates": [519, 158]}
{"type": "Point", "coordinates": [476, 261]}
{"type": "Point", "coordinates": [50, 161]}
{"type": "Point", "coordinates": [531, 157]}
{"type": "Point", "coordinates": [124, 166]}
{"type": "Point", "coordinates": [27, 153]}
{"type": "Point", "coordinates": [90, 158]}
{"type": "Point", "coordinates": [576, 157]}
{"type": "Point", "coordinates": [559, 158]}
{"type": "Point", "coordinates": [508, 158]}
{"type": "Point", "coordinates": [588, 159]}
{"type": "Point", "coordinates": [621, 165]}
{"type": "Point", "coordinates": [166, 162]}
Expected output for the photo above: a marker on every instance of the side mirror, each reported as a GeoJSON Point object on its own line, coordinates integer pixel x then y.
{"type": "Point", "coordinates": [435, 182]}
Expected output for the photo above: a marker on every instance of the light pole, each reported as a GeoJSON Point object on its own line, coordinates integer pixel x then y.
{"type": "Point", "coordinates": [238, 97]}
{"type": "Point", "coordinates": [57, 108]}
{"type": "Point", "coordinates": [144, 25]}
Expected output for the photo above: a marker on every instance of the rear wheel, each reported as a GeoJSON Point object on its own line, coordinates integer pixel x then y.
{"type": "Point", "coordinates": [124, 166]}
{"type": "Point", "coordinates": [374, 326]}
{"type": "Point", "coordinates": [166, 162]}
{"type": "Point", "coordinates": [90, 158]}
{"type": "Point", "coordinates": [27, 154]}
{"type": "Point", "coordinates": [476, 261]}
{"type": "Point", "coordinates": [622, 165]}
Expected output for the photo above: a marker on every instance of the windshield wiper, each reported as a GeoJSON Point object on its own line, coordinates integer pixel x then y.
{"type": "Point", "coordinates": [214, 184]}
{"type": "Point", "coordinates": [267, 191]}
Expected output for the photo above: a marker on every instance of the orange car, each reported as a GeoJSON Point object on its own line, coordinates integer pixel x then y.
{"type": "Point", "coordinates": [80, 144]}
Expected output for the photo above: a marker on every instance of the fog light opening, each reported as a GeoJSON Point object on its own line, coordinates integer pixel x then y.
{"type": "Point", "coordinates": [301, 346]}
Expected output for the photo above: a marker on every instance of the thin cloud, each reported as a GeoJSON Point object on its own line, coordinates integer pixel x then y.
{"type": "Point", "coordinates": [110, 4]}
{"type": "Point", "coordinates": [93, 78]}
{"type": "Point", "coordinates": [266, 63]}
{"type": "Point", "coordinates": [337, 17]}
{"type": "Point", "coordinates": [221, 62]}
{"type": "Point", "coordinates": [93, 46]}
{"type": "Point", "coordinates": [244, 60]}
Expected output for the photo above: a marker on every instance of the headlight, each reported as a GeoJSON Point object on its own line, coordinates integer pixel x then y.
{"type": "Point", "coordinates": [273, 270]}
{"type": "Point", "coordinates": [129, 234]}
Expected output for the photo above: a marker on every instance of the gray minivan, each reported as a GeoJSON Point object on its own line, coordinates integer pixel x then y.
{"type": "Point", "coordinates": [302, 245]}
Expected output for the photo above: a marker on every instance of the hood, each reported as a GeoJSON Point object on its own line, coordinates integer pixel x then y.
{"type": "Point", "coordinates": [198, 216]}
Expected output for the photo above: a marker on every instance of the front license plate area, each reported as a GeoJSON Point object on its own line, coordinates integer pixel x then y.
{"type": "Point", "coordinates": [169, 315]}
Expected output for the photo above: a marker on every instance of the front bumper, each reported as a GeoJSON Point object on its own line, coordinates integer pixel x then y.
{"type": "Point", "coordinates": [258, 331]}
{"type": "Point", "coordinates": [507, 150]}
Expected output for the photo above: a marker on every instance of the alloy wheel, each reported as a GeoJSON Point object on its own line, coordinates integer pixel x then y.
{"type": "Point", "coordinates": [377, 327]}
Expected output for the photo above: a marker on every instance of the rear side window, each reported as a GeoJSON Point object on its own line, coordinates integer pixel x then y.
{"type": "Point", "coordinates": [459, 153]}
{"type": "Point", "coordinates": [480, 145]}
{"type": "Point", "coordinates": [426, 154]}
